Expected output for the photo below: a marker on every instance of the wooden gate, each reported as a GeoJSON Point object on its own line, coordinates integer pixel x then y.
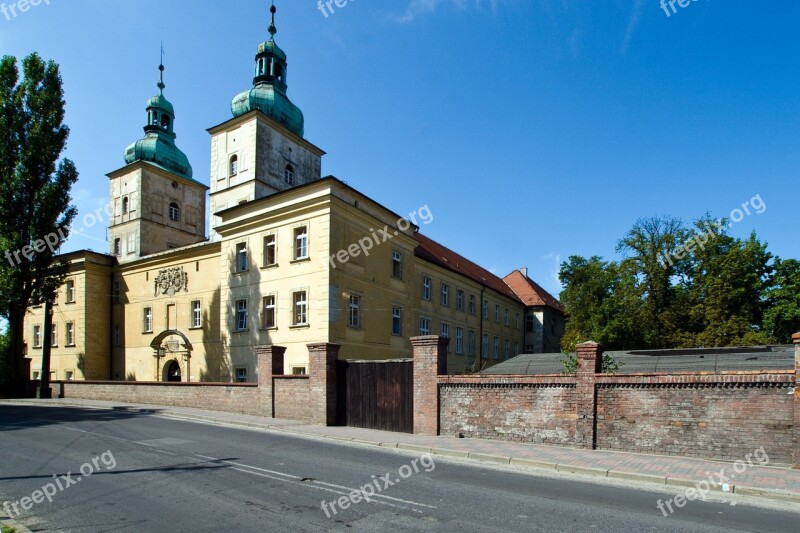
{"type": "Point", "coordinates": [376, 395]}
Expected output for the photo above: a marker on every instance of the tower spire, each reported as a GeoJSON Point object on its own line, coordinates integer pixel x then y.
{"type": "Point", "coordinates": [161, 85]}
{"type": "Point", "coordinates": [272, 29]}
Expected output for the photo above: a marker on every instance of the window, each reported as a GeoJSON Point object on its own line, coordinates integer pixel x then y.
{"type": "Point", "coordinates": [241, 257]}
{"type": "Point", "coordinates": [298, 371]}
{"type": "Point", "coordinates": [35, 375]}
{"type": "Point", "coordinates": [424, 326]}
{"type": "Point", "coordinates": [529, 324]}
{"type": "Point", "coordinates": [69, 337]}
{"type": "Point", "coordinates": [516, 349]}
{"type": "Point", "coordinates": [505, 317]}
{"type": "Point", "coordinates": [70, 292]}
{"type": "Point", "coordinates": [472, 304]}
{"type": "Point", "coordinates": [174, 211]}
{"type": "Point", "coordinates": [516, 320]}
{"type": "Point", "coordinates": [485, 346]}
{"type": "Point", "coordinates": [445, 330]}
{"type": "Point", "coordinates": [459, 340]}
{"type": "Point", "coordinates": [117, 337]}
{"type": "Point", "coordinates": [445, 295]}
{"type": "Point", "coordinates": [117, 247]}
{"type": "Point", "coordinates": [270, 251]}
{"type": "Point", "coordinates": [497, 313]}
{"type": "Point", "coordinates": [301, 242]}
{"type": "Point", "coordinates": [54, 336]}
{"type": "Point", "coordinates": [471, 343]}
{"type": "Point", "coordinates": [485, 309]}
{"type": "Point", "coordinates": [268, 317]}
{"type": "Point", "coordinates": [507, 349]}
{"type": "Point", "coordinates": [460, 300]}
{"type": "Point", "coordinates": [70, 375]}
{"type": "Point", "coordinates": [354, 312]}
{"type": "Point", "coordinates": [496, 348]}
{"type": "Point", "coordinates": [241, 374]}
{"type": "Point", "coordinates": [397, 320]}
{"type": "Point", "coordinates": [124, 205]}
{"type": "Point", "coordinates": [147, 322]}
{"type": "Point", "coordinates": [115, 292]}
{"type": "Point", "coordinates": [196, 314]}
{"type": "Point", "coordinates": [131, 243]}
{"type": "Point", "coordinates": [241, 315]}
{"type": "Point", "coordinates": [288, 175]}
{"type": "Point", "coordinates": [397, 264]}
{"type": "Point", "coordinates": [300, 308]}
{"type": "Point", "coordinates": [165, 122]}
{"type": "Point", "coordinates": [426, 288]}
{"type": "Point", "coordinates": [234, 166]}
{"type": "Point", "coordinates": [37, 336]}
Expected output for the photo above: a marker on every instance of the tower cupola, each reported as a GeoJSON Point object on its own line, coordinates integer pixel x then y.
{"type": "Point", "coordinates": [269, 86]}
{"type": "Point", "coordinates": [158, 145]}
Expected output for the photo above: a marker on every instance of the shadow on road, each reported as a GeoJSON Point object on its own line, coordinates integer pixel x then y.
{"type": "Point", "coordinates": [16, 417]}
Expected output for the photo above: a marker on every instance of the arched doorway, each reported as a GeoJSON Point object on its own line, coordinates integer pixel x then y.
{"type": "Point", "coordinates": [172, 371]}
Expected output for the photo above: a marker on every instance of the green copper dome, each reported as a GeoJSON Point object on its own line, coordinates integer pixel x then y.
{"type": "Point", "coordinates": [269, 87]}
{"type": "Point", "coordinates": [158, 145]}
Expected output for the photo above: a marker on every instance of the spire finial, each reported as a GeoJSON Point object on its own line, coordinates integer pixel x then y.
{"type": "Point", "coordinates": [161, 85]}
{"type": "Point", "coordinates": [272, 29]}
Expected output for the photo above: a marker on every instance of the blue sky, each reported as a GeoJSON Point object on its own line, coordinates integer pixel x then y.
{"type": "Point", "coordinates": [533, 129]}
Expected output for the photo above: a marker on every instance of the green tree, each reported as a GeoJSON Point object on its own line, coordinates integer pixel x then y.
{"type": "Point", "coordinates": [782, 317]}
{"type": "Point", "coordinates": [729, 280]}
{"type": "Point", "coordinates": [35, 190]}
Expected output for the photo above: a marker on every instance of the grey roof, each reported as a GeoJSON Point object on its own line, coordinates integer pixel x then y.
{"type": "Point", "coordinates": [663, 361]}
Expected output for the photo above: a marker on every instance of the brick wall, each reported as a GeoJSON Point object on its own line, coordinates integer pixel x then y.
{"type": "Point", "coordinates": [292, 398]}
{"type": "Point", "coordinates": [540, 410]}
{"type": "Point", "coordinates": [725, 419]}
{"type": "Point", "coordinates": [228, 397]}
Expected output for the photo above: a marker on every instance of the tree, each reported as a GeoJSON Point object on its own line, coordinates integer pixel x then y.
{"type": "Point", "coordinates": [782, 317]}
{"type": "Point", "coordinates": [35, 190]}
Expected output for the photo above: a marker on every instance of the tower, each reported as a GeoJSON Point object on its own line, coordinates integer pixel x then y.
{"type": "Point", "coordinates": [261, 150]}
{"type": "Point", "coordinates": [157, 204]}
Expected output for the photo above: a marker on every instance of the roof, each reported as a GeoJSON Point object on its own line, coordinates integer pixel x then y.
{"type": "Point", "coordinates": [433, 252]}
{"type": "Point", "coordinates": [531, 293]}
{"type": "Point", "coordinates": [651, 361]}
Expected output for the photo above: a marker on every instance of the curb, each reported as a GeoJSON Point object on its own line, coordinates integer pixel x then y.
{"type": "Point", "coordinates": [771, 494]}
{"type": "Point", "coordinates": [13, 524]}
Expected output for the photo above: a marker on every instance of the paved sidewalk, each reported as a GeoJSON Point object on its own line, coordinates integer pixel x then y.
{"type": "Point", "coordinates": [777, 483]}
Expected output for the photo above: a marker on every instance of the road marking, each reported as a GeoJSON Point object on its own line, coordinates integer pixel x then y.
{"type": "Point", "coordinates": [343, 490]}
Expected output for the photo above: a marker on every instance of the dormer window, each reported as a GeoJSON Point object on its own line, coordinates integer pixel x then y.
{"type": "Point", "coordinates": [174, 211]}
{"type": "Point", "coordinates": [288, 175]}
{"type": "Point", "coordinates": [234, 165]}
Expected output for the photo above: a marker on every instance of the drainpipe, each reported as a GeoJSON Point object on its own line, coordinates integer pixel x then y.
{"type": "Point", "coordinates": [480, 338]}
{"type": "Point", "coordinates": [111, 326]}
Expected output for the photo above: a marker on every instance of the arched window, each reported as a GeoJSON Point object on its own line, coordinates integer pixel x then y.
{"type": "Point", "coordinates": [124, 205]}
{"type": "Point", "coordinates": [288, 175]}
{"type": "Point", "coordinates": [174, 211]}
{"type": "Point", "coordinates": [234, 166]}
{"type": "Point", "coordinates": [165, 121]}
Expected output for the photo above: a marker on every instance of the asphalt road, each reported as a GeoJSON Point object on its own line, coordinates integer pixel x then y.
{"type": "Point", "coordinates": [148, 473]}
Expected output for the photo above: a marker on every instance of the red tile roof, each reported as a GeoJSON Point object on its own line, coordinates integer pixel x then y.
{"type": "Point", "coordinates": [435, 253]}
{"type": "Point", "coordinates": [530, 292]}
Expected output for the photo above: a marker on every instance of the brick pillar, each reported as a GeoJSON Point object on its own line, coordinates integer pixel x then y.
{"type": "Point", "coordinates": [796, 449]}
{"type": "Point", "coordinates": [322, 359]}
{"type": "Point", "coordinates": [270, 363]}
{"type": "Point", "coordinates": [590, 363]}
{"type": "Point", "coordinates": [430, 361]}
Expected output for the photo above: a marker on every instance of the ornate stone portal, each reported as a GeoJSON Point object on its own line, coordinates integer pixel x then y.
{"type": "Point", "coordinates": [171, 280]}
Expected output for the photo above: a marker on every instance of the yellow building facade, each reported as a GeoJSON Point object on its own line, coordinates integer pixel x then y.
{"type": "Point", "coordinates": [292, 258]}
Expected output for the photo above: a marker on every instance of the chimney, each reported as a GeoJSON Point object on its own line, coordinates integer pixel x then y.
{"type": "Point", "coordinates": [524, 271]}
